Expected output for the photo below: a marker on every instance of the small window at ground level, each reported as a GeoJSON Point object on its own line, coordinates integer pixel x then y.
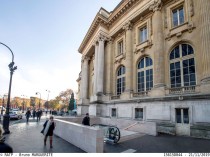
{"type": "Point", "coordinates": [139, 113]}
{"type": "Point", "coordinates": [114, 112]}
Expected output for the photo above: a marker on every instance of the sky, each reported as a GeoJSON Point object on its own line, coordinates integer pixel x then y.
{"type": "Point", "coordinates": [44, 36]}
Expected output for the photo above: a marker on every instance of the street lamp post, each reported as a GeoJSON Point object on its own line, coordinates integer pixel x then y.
{"type": "Point", "coordinates": [47, 99]}
{"type": "Point", "coordinates": [39, 98]}
{"type": "Point", "coordinates": [6, 115]}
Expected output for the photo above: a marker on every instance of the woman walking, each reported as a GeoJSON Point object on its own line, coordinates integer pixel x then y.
{"type": "Point", "coordinates": [49, 127]}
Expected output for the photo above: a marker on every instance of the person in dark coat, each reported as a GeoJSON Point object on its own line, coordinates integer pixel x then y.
{"type": "Point", "coordinates": [34, 113]}
{"type": "Point", "coordinates": [49, 127]}
{"type": "Point", "coordinates": [28, 114]}
{"type": "Point", "coordinates": [40, 114]}
{"type": "Point", "coordinates": [4, 148]}
{"type": "Point", "coordinates": [86, 120]}
{"type": "Point", "coordinates": [37, 115]}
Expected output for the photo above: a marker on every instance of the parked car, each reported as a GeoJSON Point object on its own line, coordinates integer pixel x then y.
{"type": "Point", "coordinates": [14, 115]}
{"type": "Point", "coordinates": [16, 110]}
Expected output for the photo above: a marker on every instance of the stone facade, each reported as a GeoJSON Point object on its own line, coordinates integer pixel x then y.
{"type": "Point", "coordinates": [163, 45]}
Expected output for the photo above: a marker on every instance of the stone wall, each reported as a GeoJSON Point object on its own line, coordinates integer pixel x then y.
{"type": "Point", "coordinates": [87, 138]}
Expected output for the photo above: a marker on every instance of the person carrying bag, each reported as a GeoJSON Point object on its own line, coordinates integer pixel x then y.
{"type": "Point", "coordinates": [48, 129]}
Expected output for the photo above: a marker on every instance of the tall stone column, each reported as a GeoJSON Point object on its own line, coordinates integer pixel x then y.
{"type": "Point", "coordinates": [109, 67]}
{"type": "Point", "coordinates": [204, 27]}
{"type": "Point", "coordinates": [95, 69]}
{"type": "Point", "coordinates": [129, 59]}
{"type": "Point", "coordinates": [100, 67]}
{"type": "Point", "coordinates": [84, 91]}
{"type": "Point", "coordinates": [158, 40]}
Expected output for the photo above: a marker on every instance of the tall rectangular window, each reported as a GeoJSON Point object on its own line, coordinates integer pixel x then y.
{"type": "Point", "coordinates": [139, 113]}
{"type": "Point", "coordinates": [114, 112]}
{"type": "Point", "coordinates": [142, 34]}
{"type": "Point", "coordinates": [178, 16]}
{"type": "Point", "coordinates": [120, 47]}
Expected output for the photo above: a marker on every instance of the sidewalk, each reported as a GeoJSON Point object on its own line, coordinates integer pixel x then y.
{"type": "Point", "coordinates": [26, 138]}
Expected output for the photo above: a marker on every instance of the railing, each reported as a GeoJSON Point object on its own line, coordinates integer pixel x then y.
{"type": "Point", "coordinates": [141, 94]}
{"type": "Point", "coordinates": [111, 133]}
{"type": "Point", "coordinates": [183, 90]}
{"type": "Point", "coordinates": [115, 97]}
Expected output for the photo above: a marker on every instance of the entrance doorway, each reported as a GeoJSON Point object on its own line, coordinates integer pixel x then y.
{"type": "Point", "coordinates": [182, 121]}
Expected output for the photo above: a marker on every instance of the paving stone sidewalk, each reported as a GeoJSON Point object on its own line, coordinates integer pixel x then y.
{"type": "Point", "coordinates": [26, 138]}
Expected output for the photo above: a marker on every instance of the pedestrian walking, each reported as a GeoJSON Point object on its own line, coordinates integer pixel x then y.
{"type": "Point", "coordinates": [40, 114]}
{"type": "Point", "coordinates": [34, 113]}
{"type": "Point", "coordinates": [50, 112]}
{"type": "Point", "coordinates": [4, 148]}
{"type": "Point", "coordinates": [86, 120]}
{"type": "Point", "coordinates": [37, 115]}
{"type": "Point", "coordinates": [28, 114]}
{"type": "Point", "coordinates": [49, 127]}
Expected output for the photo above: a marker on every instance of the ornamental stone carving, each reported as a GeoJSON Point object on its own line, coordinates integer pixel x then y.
{"type": "Point", "coordinates": [102, 37]}
{"type": "Point", "coordinates": [128, 26]}
{"type": "Point", "coordinates": [156, 5]}
{"type": "Point", "coordinates": [85, 58]}
{"type": "Point", "coordinates": [110, 40]}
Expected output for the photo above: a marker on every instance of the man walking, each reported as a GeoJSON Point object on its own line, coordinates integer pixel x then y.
{"type": "Point", "coordinates": [34, 113]}
{"type": "Point", "coordinates": [86, 120]}
{"type": "Point", "coordinates": [37, 115]}
{"type": "Point", "coordinates": [28, 114]}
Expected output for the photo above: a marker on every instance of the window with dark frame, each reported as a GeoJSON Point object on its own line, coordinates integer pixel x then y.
{"type": "Point", "coordinates": [182, 66]}
{"type": "Point", "coordinates": [121, 80]}
{"type": "Point", "coordinates": [114, 112]}
{"type": "Point", "coordinates": [138, 113]}
{"type": "Point", "coordinates": [145, 75]}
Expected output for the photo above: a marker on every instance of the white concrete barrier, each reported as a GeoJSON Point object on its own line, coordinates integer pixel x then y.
{"type": "Point", "coordinates": [87, 138]}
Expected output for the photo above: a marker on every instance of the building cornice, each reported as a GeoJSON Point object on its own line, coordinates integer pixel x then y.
{"type": "Point", "coordinates": [107, 22]}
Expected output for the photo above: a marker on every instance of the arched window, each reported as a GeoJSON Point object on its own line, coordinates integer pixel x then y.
{"type": "Point", "coordinates": [121, 80]}
{"type": "Point", "coordinates": [145, 75]}
{"type": "Point", "coordinates": [182, 66]}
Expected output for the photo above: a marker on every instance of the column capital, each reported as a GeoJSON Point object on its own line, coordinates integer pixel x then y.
{"type": "Point", "coordinates": [156, 5]}
{"type": "Point", "coordinates": [110, 40]}
{"type": "Point", "coordinates": [85, 58]}
{"type": "Point", "coordinates": [128, 26]}
{"type": "Point", "coordinates": [102, 37]}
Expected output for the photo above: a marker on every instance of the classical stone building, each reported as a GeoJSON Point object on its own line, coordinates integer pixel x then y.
{"type": "Point", "coordinates": [149, 61]}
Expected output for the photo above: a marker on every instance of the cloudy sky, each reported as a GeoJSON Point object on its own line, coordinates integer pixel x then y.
{"type": "Point", "coordinates": [44, 36]}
